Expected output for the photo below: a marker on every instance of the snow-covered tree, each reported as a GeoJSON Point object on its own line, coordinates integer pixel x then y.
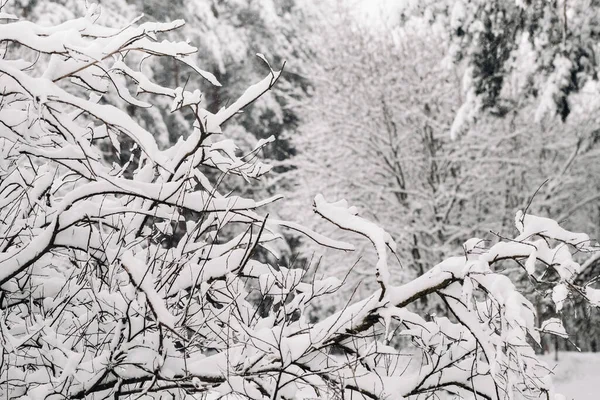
{"type": "Point", "coordinates": [95, 305]}
{"type": "Point", "coordinates": [551, 45]}
{"type": "Point", "coordinates": [384, 143]}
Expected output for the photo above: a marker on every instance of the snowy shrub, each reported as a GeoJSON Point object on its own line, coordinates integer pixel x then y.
{"type": "Point", "coordinates": [94, 305]}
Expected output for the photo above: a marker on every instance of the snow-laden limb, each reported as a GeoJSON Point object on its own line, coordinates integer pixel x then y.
{"type": "Point", "coordinates": [340, 214]}
{"type": "Point", "coordinates": [249, 96]}
{"type": "Point", "coordinates": [144, 280]}
{"type": "Point", "coordinates": [593, 295]}
{"type": "Point", "coordinates": [531, 225]}
{"type": "Point", "coordinates": [555, 327]}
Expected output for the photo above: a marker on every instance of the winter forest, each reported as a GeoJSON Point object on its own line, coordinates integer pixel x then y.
{"type": "Point", "coordinates": [299, 199]}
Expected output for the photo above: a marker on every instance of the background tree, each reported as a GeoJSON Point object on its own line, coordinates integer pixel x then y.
{"type": "Point", "coordinates": [485, 35]}
{"type": "Point", "coordinates": [385, 142]}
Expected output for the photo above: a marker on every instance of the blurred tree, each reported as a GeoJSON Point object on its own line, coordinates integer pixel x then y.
{"type": "Point", "coordinates": [561, 38]}
{"type": "Point", "coordinates": [382, 142]}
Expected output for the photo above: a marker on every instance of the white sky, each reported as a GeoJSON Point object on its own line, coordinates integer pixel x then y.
{"type": "Point", "coordinates": [372, 10]}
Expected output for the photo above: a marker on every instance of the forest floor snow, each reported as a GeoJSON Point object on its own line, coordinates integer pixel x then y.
{"type": "Point", "coordinates": [577, 375]}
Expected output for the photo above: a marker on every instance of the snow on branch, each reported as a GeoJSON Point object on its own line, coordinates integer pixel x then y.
{"type": "Point", "coordinates": [144, 280]}
{"type": "Point", "coordinates": [346, 218]}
